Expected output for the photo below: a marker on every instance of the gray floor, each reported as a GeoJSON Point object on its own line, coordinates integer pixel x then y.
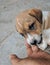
{"type": "Point", "coordinates": [10, 40]}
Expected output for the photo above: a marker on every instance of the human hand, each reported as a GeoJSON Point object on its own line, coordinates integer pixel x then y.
{"type": "Point", "coordinates": [35, 57]}
{"type": "Point", "coordinates": [28, 61]}
{"type": "Point", "coordinates": [34, 52]}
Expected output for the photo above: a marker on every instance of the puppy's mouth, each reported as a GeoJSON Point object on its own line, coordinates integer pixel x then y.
{"type": "Point", "coordinates": [35, 42]}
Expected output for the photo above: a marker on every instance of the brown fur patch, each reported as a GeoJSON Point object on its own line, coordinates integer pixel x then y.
{"type": "Point", "coordinates": [24, 20]}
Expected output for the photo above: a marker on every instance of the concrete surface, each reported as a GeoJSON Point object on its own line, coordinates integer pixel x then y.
{"type": "Point", "coordinates": [10, 40]}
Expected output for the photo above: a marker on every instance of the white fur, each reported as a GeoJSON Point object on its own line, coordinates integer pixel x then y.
{"type": "Point", "coordinates": [43, 45]}
{"type": "Point", "coordinates": [46, 35]}
{"type": "Point", "coordinates": [45, 15]}
{"type": "Point", "coordinates": [31, 38]}
{"type": "Point", "coordinates": [46, 39]}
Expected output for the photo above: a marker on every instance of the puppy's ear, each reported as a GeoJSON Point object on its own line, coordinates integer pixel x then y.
{"type": "Point", "coordinates": [37, 14]}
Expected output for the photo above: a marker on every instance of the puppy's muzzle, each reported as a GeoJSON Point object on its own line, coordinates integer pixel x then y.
{"type": "Point", "coordinates": [34, 39]}
{"type": "Point", "coordinates": [35, 42]}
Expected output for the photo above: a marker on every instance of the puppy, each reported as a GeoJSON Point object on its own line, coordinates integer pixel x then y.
{"type": "Point", "coordinates": [34, 25]}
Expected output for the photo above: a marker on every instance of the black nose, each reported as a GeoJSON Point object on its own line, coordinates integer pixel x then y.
{"type": "Point", "coordinates": [41, 35]}
{"type": "Point", "coordinates": [34, 42]}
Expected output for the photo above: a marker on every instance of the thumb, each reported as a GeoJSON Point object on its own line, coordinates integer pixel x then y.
{"type": "Point", "coordinates": [35, 48]}
{"type": "Point", "coordinates": [14, 59]}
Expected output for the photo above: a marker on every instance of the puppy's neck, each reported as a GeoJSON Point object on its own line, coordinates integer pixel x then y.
{"type": "Point", "coordinates": [46, 22]}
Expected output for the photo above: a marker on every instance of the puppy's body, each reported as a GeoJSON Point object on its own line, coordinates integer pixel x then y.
{"type": "Point", "coordinates": [46, 30]}
{"type": "Point", "coordinates": [46, 25]}
{"type": "Point", "coordinates": [34, 25]}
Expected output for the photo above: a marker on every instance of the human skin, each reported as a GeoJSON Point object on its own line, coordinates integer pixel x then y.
{"type": "Point", "coordinates": [35, 57]}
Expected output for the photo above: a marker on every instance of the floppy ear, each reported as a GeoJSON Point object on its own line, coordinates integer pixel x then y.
{"type": "Point", "coordinates": [37, 14]}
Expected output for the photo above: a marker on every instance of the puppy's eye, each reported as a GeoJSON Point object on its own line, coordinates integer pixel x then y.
{"type": "Point", "coordinates": [32, 26]}
{"type": "Point", "coordinates": [22, 34]}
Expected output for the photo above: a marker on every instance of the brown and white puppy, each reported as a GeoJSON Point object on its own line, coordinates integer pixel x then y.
{"type": "Point", "coordinates": [34, 25]}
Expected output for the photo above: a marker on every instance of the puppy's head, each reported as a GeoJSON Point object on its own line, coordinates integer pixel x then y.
{"type": "Point", "coordinates": [29, 25]}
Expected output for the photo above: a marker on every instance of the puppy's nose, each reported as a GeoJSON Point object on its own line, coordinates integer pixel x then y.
{"type": "Point", "coordinates": [34, 42]}
{"type": "Point", "coordinates": [41, 35]}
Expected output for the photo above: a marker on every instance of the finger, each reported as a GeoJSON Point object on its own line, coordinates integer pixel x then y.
{"type": "Point", "coordinates": [35, 48]}
{"type": "Point", "coordinates": [28, 46]}
{"type": "Point", "coordinates": [29, 49]}
{"type": "Point", "coordinates": [14, 59]}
